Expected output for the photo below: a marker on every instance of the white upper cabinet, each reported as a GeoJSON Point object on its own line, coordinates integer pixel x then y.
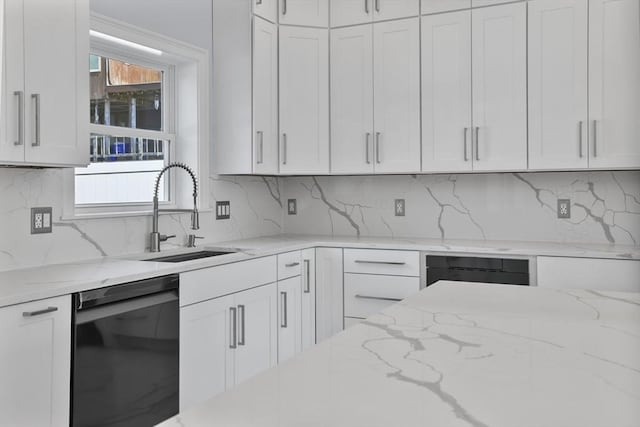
{"type": "Point", "coordinates": [351, 12]}
{"type": "Point", "coordinates": [312, 13]}
{"type": "Point", "coordinates": [394, 9]}
{"type": "Point", "coordinates": [352, 99]}
{"type": "Point", "coordinates": [43, 123]}
{"type": "Point", "coordinates": [397, 96]}
{"type": "Point", "coordinates": [265, 97]}
{"type": "Point", "coordinates": [499, 58]}
{"type": "Point", "coordinates": [614, 83]}
{"type": "Point", "coordinates": [436, 6]}
{"type": "Point", "coordinates": [35, 350]}
{"type": "Point", "coordinates": [267, 9]}
{"type": "Point", "coordinates": [481, 3]}
{"type": "Point", "coordinates": [558, 84]}
{"type": "Point", "coordinates": [304, 100]}
{"type": "Point", "coordinates": [446, 92]}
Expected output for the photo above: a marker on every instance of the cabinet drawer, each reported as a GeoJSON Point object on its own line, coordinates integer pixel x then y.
{"type": "Point", "coordinates": [589, 273]}
{"type": "Point", "coordinates": [289, 265]}
{"type": "Point", "coordinates": [374, 261]}
{"type": "Point", "coordinates": [214, 282]}
{"type": "Point", "coordinates": [366, 294]}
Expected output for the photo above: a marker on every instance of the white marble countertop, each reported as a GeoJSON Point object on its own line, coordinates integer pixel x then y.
{"type": "Point", "coordinates": [456, 355]}
{"type": "Point", "coordinates": [29, 284]}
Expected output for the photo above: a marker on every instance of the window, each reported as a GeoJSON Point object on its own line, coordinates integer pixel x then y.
{"type": "Point", "coordinates": [128, 144]}
{"type": "Point", "coordinates": [138, 123]}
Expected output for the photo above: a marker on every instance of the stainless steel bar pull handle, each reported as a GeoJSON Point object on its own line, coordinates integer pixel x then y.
{"type": "Point", "coordinates": [284, 148]}
{"type": "Point", "coordinates": [580, 139]}
{"type": "Point", "coordinates": [368, 147]}
{"type": "Point", "coordinates": [292, 264]}
{"type": "Point", "coordinates": [39, 312]}
{"type": "Point", "coordinates": [20, 134]}
{"type": "Point", "coordinates": [366, 6]}
{"type": "Point", "coordinates": [306, 277]}
{"type": "Point", "coordinates": [477, 143]}
{"type": "Point", "coordinates": [377, 5]}
{"type": "Point", "coordinates": [36, 140]}
{"type": "Point", "coordinates": [241, 340]}
{"type": "Point", "coordinates": [466, 157]}
{"type": "Point", "coordinates": [365, 261]}
{"type": "Point", "coordinates": [378, 298]}
{"type": "Point", "coordinates": [258, 1]}
{"type": "Point", "coordinates": [284, 7]}
{"type": "Point", "coordinates": [378, 148]}
{"type": "Point", "coordinates": [283, 320]}
{"type": "Point", "coordinates": [233, 325]}
{"type": "Point", "coordinates": [595, 138]}
{"type": "Point", "coordinates": [260, 148]}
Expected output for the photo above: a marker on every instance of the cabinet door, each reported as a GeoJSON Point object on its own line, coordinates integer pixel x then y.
{"type": "Point", "coordinates": [558, 84]}
{"type": "Point", "coordinates": [480, 3]}
{"type": "Point", "coordinates": [56, 82]}
{"type": "Point", "coordinates": [352, 99]}
{"type": "Point", "coordinates": [308, 308]}
{"type": "Point", "coordinates": [304, 100]}
{"type": "Point", "coordinates": [446, 92]}
{"type": "Point", "coordinates": [206, 356]}
{"type": "Point", "coordinates": [265, 97]}
{"type": "Point", "coordinates": [257, 332]}
{"type": "Point", "coordinates": [11, 82]}
{"type": "Point", "coordinates": [329, 292]}
{"type": "Point", "coordinates": [267, 9]}
{"type": "Point", "coordinates": [614, 85]}
{"type": "Point", "coordinates": [312, 13]}
{"type": "Point", "coordinates": [351, 12]}
{"type": "Point", "coordinates": [394, 9]}
{"type": "Point", "coordinates": [35, 350]}
{"type": "Point", "coordinates": [436, 6]}
{"type": "Point", "coordinates": [588, 273]}
{"type": "Point", "coordinates": [397, 96]}
{"type": "Point", "coordinates": [289, 318]}
{"type": "Point", "coordinates": [500, 87]}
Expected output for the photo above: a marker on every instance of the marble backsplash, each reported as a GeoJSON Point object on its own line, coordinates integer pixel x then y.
{"type": "Point", "coordinates": [255, 202]}
{"type": "Point", "coordinates": [605, 206]}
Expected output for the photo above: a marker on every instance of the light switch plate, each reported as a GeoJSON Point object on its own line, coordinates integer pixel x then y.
{"type": "Point", "coordinates": [223, 210]}
{"type": "Point", "coordinates": [564, 208]}
{"type": "Point", "coordinates": [41, 219]}
{"type": "Point", "coordinates": [400, 207]}
{"type": "Point", "coordinates": [292, 206]}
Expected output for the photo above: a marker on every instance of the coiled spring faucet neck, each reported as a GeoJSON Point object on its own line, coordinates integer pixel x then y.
{"type": "Point", "coordinates": [156, 237]}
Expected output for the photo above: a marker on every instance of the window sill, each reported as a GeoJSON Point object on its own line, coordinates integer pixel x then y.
{"type": "Point", "coordinates": [112, 215]}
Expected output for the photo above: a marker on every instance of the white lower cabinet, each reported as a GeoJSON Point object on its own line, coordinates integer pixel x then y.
{"type": "Point", "coordinates": [589, 273]}
{"type": "Point", "coordinates": [35, 355]}
{"type": "Point", "coordinates": [329, 292]}
{"type": "Point", "coordinates": [225, 341]}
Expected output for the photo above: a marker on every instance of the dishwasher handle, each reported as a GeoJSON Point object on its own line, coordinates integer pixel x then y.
{"type": "Point", "coordinates": [104, 311]}
{"type": "Point", "coordinates": [126, 291]}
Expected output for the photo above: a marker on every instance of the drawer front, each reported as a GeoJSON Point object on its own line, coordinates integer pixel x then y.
{"type": "Point", "coordinates": [289, 265]}
{"type": "Point", "coordinates": [366, 294]}
{"type": "Point", "coordinates": [214, 282]}
{"type": "Point", "coordinates": [375, 261]}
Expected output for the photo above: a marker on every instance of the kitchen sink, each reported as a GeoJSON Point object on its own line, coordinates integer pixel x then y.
{"type": "Point", "coordinates": [189, 256]}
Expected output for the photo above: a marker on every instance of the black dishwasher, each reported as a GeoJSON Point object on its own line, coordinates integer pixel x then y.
{"type": "Point", "coordinates": [475, 269]}
{"type": "Point", "coordinates": [125, 354]}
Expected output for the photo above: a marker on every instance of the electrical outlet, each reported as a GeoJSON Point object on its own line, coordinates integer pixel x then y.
{"type": "Point", "coordinates": [400, 207]}
{"type": "Point", "coordinates": [223, 210]}
{"type": "Point", "coordinates": [564, 208]}
{"type": "Point", "coordinates": [41, 220]}
{"type": "Point", "coordinates": [292, 206]}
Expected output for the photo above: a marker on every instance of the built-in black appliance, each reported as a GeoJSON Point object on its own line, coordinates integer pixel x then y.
{"type": "Point", "coordinates": [475, 269]}
{"type": "Point", "coordinates": [125, 354]}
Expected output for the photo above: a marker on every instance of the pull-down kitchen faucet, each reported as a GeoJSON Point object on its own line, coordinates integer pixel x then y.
{"type": "Point", "coordinates": [156, 237]}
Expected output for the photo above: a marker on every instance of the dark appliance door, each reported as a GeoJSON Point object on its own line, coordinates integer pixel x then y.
{"type": "Point", "coordinates": [125, 364]}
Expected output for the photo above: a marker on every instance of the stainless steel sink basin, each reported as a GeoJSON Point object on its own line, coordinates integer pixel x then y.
{"type": "Point", "coordinates": [189, 256]}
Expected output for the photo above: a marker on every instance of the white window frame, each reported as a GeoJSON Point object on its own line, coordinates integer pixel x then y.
{"type": "Point", "coordinates": [187, 75]}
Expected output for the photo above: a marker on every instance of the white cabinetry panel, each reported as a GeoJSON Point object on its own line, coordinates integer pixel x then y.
{"type": "Point", "coordinates": [267, 9]}
{"type": "Point", "coordinates": [614, 85]}
{"type": "Point", "coordinates": [500, 87]}
{"type": "Point", "coordinates": [329, 292]}
{"type": "Point", "coordinates": [351, 12]}
{"type": "Point", "coordinates": [558, 125]}
{"type": "Point", "coordinates": [589, 273]}
{"type": "Point", "coordinates": [304, 100]}
{"type": "Point", "coordinates": [366, 294]}
{"type": "Point", "coordinates": [312, 13]}
{"type": "Point", "coordinates": [446, 92]}
{"type": "Point", "coordinates": [289, 318]}
{"type": "Point", "coordinates": [308, 298]}
{"type": "Point", "coordinates": [352, 99]}
{"type": "Point", "coordinates": [436, 6]}
{"type": "Point", "coordinates": [394, 9]}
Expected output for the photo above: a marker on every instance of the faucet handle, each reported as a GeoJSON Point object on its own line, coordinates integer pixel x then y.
{"type": "Point", "coordinates": [192, 240]}
{"type": "Point", "coordinates": [164, 237]}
